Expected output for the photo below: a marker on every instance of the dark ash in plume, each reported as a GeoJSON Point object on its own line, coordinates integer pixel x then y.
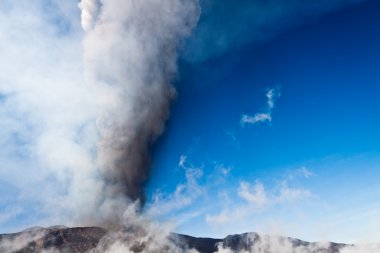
{"type": "Point", "coordinates": [130, 57]}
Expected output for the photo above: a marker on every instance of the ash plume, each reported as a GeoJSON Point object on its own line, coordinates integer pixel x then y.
{"type": "Point", "coordinates": [76, 126]}
{"type": "Point", "coordinates": [130, 57]}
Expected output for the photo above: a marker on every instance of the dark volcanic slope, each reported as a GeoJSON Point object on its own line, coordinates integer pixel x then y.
{"type": "Point", "coordinates": [68, 240]}
{"type": "Point", "coordinates": [81, 240]}
{"type": "Point", "coordinates": [203, 245]}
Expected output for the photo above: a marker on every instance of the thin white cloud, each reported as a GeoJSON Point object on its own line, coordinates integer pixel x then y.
{"type": "Point", "coordinates": [182, 161]}
{"type": "Point", "coordinates": [288, 194]}
{"type": "Point", "coordinates": [256, 199]}
{"type": "Point", "coordinates": [9, 213]}
{"type": "Point", "coordinates": [258, 117]}
{"type": "Point", "coordinates": [272, 95]}
{"type": "Point", "coordinates": [305, 172]}
{"type": "Point", "coordinates": [223, 170]}
{"type": "Point", "coordinates": [183, 196]}
{"type": "Point", "coordinates": [266, 115]}
{"type": "Point", "coordinates": [221, 218]}
{"type": "Point", "coordinates": [255, 194]}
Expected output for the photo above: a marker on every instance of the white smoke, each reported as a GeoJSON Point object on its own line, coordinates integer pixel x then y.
{"type": "Point", "coordinates": [141, 235]}
{"type": "Point", "coordinates": [254, 243]}
{"type": "Point", "coordinates": [78, 112]}
{"type": "Point", "coordinates": [47, 113]}
{"type": "Point", "coordinates": [275, 244]}
{"type": "Point", "coordinates": [18, 242]}
{"type": "Point", "coordinates": [89, 12]}
{"type": "Point", "coordinates": [364, 248]}
{"type": "Point", "coordinates": [130, 57]}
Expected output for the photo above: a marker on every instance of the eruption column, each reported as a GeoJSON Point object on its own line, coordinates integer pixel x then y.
{"type": "Point", "coordinates": [130, 57]}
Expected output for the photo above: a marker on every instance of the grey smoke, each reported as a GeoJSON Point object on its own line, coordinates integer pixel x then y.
{"type": "Point", "coordinates": [76, 128]}
{"type": "Point", "coordinates": [130, 56]}
{"type": "Point", "coordinates": [140, 235]}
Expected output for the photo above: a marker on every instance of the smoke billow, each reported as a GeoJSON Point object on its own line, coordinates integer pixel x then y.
{"type": "Point", "coordinates": [255, 243]}
{"type": "Point", "coordinates": [130, 57]}
{"type": "Point", "coordinates": [18, 242]}
{"type": "Point", "coordinates": [76, 127]}
{"type": "Point", "coordinates": [141, 235]}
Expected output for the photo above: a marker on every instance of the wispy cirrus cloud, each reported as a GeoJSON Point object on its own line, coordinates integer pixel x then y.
{"type": "Point", "coordinates": [266, 115]}
{"type": "Point", "coordinates": [252, 200]}
{"type": "Point", "coordinates": [257, 195]}
{"type": "Point", "coordinates": [9, 212]}
{"type": "Point", "coordinates": [184, 195]}
{"type": "Point", "coordinates": [305, 172]}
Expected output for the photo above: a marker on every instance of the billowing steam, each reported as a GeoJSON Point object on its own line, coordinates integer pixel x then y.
{"type": "Point", "coordinates": [82, 123]}
{"type": "Point", "coordinates": [130, 57]}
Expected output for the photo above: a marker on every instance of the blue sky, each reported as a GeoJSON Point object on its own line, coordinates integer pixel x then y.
{"type": "Point", "coordinates": [305, 77]}
{"type": "Point", "coordinates": [326, 121]}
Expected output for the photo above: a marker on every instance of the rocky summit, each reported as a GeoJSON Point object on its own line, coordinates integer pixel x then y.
{"type": "Point", "coordinates": [86, 239]}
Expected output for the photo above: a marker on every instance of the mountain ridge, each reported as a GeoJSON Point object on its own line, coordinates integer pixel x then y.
{"type": "Point", "coordinates": [86, 239]}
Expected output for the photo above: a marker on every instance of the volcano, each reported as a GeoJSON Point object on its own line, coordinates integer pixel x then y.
{"type": "Point", "coordinates": [86, 239]}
